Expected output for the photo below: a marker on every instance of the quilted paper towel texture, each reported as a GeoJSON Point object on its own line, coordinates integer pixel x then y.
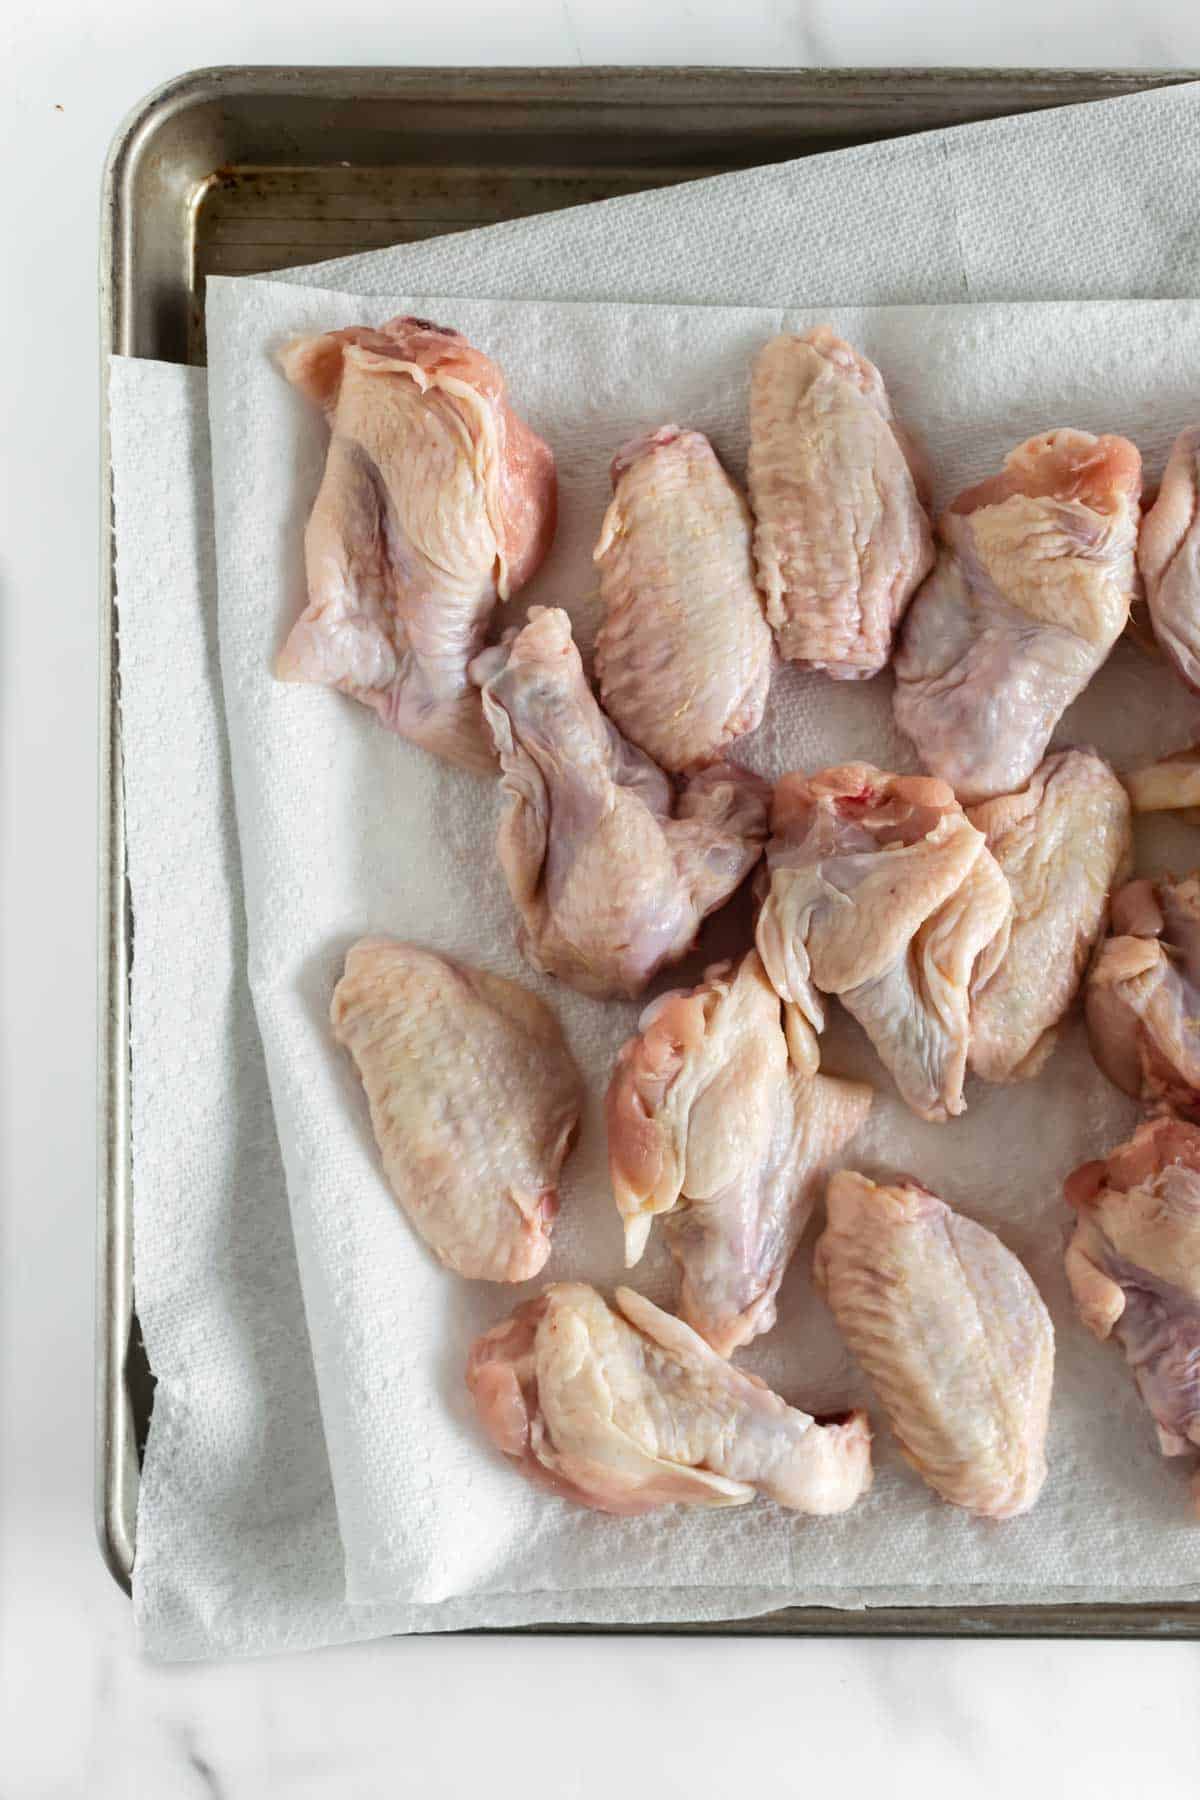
{"type": "Point", "coordinates": [346, 830]}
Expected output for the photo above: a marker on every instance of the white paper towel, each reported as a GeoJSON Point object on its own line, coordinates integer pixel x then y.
{"type": "Point", "coordinates": [346, 830]}
{"type": "Point", "coordinates": [239, 1554]}
{"type": "Point", "coordinates": [1096, 202]}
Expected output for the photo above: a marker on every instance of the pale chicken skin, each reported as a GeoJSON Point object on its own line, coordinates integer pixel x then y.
{"type": "Point", "coordinates": [437, 500]}
{"type": "Point", "coordinates": [842, 539]}
{"type": "Point", "coordinates": [610, 873]}
{"type": "Point", "coordinates": [1170, 785]}
{"type": "Point", "coordinates": [952, 1334]}
{"type": "Point", "coordinates": [684, 655]}
{"type": "Point", "coordinates": [880, 891]}
{"type": "Point", "coordinates": [1031, 590]}
{"type": "Point", "coordinates": [1169, 558]}
{"type": "Point", "coordinates": [1061, 843]}
{"type": "Point", "coordinates": [1143, 994]}
{"type": "Point", "coordinates": [624, 1408]}
{"type": "Point", "coordinates": [1134, 1269]}
{"type": "Point", "coordinates": [474, 1099]}
{"type": "Point", "coordinates": [715, 1129]}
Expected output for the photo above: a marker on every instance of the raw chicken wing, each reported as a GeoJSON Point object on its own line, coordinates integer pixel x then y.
{"type": "Point", "coordinates": [1143, 994]}
{"type": "Point", "coordinates": [1031, 591]}
{"type": "Point", "coordinates": [842, 538]}
{"type": "Point", "coordinates": [437, 500]}
{"type": "Point", "coordinates": [610, 883]}
{"type": "Point", "coordinates": [1061, 843]}
{"type": "Point", "coordinates": [474, 1100]}
{"type": "Point", "coordinates": [1134, 1269]}
{"type": "Point", "coordinates": [1169, 557]}
{"type": "Point", "coordinates": [684, 654]}
{"type": "Point", "coordinates": [1170, 785]}
{"type": "Point", "coordinates": [881, 891]}
{"type": "Point", "coordinates": [624, 1408]}
{"type": "Point", "coordinates": [712, 1126]}
{"type": "Point", "coordinates": [952, 1335]}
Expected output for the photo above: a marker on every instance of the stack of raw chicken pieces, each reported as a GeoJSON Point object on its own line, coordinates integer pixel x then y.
{"type": "Point", "coordinates": [954, 914]}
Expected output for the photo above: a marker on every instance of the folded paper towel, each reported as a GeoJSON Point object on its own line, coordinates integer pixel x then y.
{"type": "Point", "coordinates": [237, 1553]}
{"type": "Point", "coordinates": [347, 830]}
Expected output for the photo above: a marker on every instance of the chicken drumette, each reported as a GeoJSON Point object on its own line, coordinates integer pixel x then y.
{"type": "Point", "coordinates": [1134, 1269]}
{"type": "Point", "coordinates": [611, 874]}
{"type": "Point", "coordinates": [1034, 577]}
{"type": "Point", "coordinates": [1061, 842]}
{"type": "Point", "coordinates": [624, 1408]}
{"type": "Point", "coordinates": [437, 500]}
{"type": "Point", "coordinates": [716, 1128]}
{"type": "Point", "coordinates": [881, 891]}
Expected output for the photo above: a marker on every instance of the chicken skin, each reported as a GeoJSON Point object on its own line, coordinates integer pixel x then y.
{"type": "Point", "coordinates": [881, 891]}
{"type": "Point", "coordinates": [713, 1127]}
{"type": "Point", "coordinates": [1170, 785]}
{"type": "Point", "coordinates": [1031, 590]}
{"type": "Point", "coordinates": [1143, 994]}
{"type": "Point", "coordinates": [623, 1408]}
{"type": "Point", "coordinates": [437, 500]}
{"type": "Point", "coordinates": [951, 1333]}
{"type": "Point", "coordinates": [1134, 1269]}
{"type": "Point", "coordinates": [684, 654]}
{"type": "Point", "coordinates": [842, 539]}
{"type": "Point", "coordinates": [474, 1100]}
{"type": "Point", "coordinates": [610, 875]}
{"type": "Point", "coordinates": [1169, 558]}
{"type": "Point", "coordinates": [1061, 843]}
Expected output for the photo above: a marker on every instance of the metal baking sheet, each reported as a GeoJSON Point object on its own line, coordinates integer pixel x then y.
{"type": "Point", "coordinates": [242, 170]}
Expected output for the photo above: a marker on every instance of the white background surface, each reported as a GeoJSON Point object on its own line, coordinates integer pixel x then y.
{"type": "Point", "coordinates": [79, 1713]}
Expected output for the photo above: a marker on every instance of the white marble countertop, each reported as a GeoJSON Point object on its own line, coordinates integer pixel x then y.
{"type": "Point", "coordinates": [80, 1713]}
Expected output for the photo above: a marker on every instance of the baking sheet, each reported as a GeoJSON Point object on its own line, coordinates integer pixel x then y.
{"type": "Point", "coordinates": [172, 201]}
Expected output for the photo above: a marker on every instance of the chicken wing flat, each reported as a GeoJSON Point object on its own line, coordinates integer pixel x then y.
{"type": "Point", "coordinates": [610, 874]}
{"type": "Point", "coordinates": [1143, 994]}
{"type": "Point", "coordinates": [1134, 1269]}
{"type": "Point", "coordinates": [713, 1127]}
{"type": "Point", "coordinates": [474, 1100]}
{"type": "Point", "coordinates": [437, 500]}
{"type": "Point", "coordinates": [1061, 843]}
{"type": "Point", "coordinates": [624, 1408]}
{"type": "Point", "coordinates": [1031, 590]}
{"type": "Point", "coordinates": [684, 654]}
{"type": "Point", "coordinates": [1169, 558]}
{"type": "Point", "coordinates": [880, 890]}
{"type": "Point", "coordinates": [951, 1333]}
{"type": "Point", "coordinates": [842, 538]}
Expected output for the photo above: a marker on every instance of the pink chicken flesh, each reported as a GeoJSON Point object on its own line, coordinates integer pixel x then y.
{"type": "Point", "coordinates": [1143, 994]}
{"type": "Point", "coordinates": [611, 875]}
{"type": "Point", "coordinates": [474, 1101]}
{"type": "Point", "coordinates": [684, 654]}
{"type": "Point", "coordinates": [1169, 558]}
{"type": "Point", "coordinates": [842, 538]}
{"type": "Point", "coordinates": [714, 1128]}
{"type": "Point", "coordinates": [436, 501]}
{"type": "Point", "coordinates": [879, 890]}
{"type": "Point", "coordinates": [1030, 592]}
{"type": "Point", "coordinates": [1134, 1269]}
{"type": "Point", "coordinates": [1061, 843]}
{"type": "Point", "coordinates": [623, 1408]}
{"type": "Point", "coordinates": [951, 1333]}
